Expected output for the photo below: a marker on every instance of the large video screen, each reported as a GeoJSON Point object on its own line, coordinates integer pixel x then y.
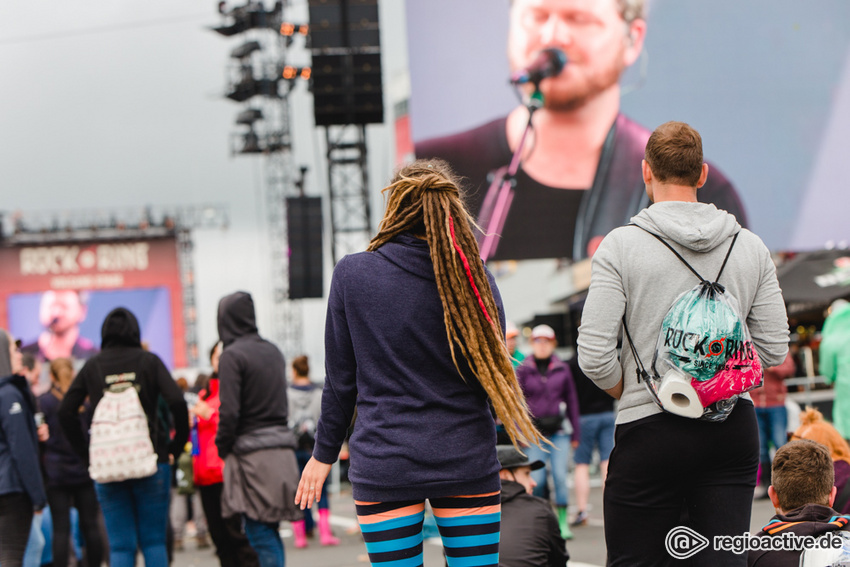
{"type": "Point", "coordinates": [767, 84]}
{"type": "Point", "coordinates": [34, 318]}
{"type": "Point", "coordinates": [55, 295]}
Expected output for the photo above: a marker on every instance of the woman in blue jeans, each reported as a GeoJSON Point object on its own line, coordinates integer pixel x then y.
{"type": "Point", "coordinates": [549, 388]}
{"type": "Point", "coordinates": [135, 510]}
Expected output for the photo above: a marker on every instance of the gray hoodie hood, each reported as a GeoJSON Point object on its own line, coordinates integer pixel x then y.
{"type": "Point", "coordinates": [698, 226]}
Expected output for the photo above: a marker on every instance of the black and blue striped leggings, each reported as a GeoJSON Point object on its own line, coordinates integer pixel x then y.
{"type": "Point", "coordinates": [469, 527]}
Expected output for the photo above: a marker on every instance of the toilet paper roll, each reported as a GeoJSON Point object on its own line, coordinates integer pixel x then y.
{"type": "Point", "coordinates": [678, 396]}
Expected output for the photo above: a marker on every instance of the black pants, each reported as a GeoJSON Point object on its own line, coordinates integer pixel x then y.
{"type": "Point", "coordinates": [666, 471]}
{"type": "Point", "coordinates": [231, 544]}
{"type": "Point", "coordinates": [15, 522]}
{"type": "Point", "coordinates": [84, 499]}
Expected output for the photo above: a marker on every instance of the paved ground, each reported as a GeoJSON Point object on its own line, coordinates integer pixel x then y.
{"type": "Point", "coordinates": [586, 550]}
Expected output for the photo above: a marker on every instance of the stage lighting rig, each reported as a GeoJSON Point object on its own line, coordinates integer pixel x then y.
{"type": "Point", "coordinates": [259, 78]}
{"type": "Point", "coordinates": [252, 15]}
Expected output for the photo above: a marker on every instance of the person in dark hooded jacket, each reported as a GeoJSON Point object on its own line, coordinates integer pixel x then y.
{"type": "Point", "coordinates": [531, 535]}
{"type": "Point", "coordinates": [21, 487]}
{"type": "Point", "coordinates": [135, 510]}
{"type": "Point", "coordinates": [260, 469]}
{"type": "Point", "coordinates": [802, 492]}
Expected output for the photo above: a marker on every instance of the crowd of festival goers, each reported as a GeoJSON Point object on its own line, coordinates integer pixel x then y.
{"type": "Point", "coordinates": [250, 444]}
{"type": "Point", "coordinates": [426, 389]}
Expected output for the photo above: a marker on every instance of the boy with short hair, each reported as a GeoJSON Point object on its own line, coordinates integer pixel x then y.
{"type": "Point", "coordinates": [802, 492]}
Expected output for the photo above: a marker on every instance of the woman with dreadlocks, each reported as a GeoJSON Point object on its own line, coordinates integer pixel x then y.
{"type": "Point", "coordinates": [415, 340]}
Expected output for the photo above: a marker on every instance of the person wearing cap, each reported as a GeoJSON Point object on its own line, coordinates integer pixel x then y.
{"type": "Point", "coordinates": [549, 388]}
{"type": "Point", "coordinates": [511, 334]}
{"type": "Point", "coordinates": [531, 536]}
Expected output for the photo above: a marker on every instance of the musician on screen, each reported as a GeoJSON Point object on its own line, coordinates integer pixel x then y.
{"type": "Point", "coordinates": [582, 162]}
{"type": "Point", "coordinates": [61, 312]}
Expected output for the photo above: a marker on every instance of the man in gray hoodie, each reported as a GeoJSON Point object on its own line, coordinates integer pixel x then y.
{"type": "Point", "coordinates": [260, 470]}
{"type": "Point", "coordinates": [667, 470]}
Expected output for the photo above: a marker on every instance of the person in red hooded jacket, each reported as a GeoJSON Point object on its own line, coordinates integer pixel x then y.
{"type": "Point", "coordinates": [231, 545]}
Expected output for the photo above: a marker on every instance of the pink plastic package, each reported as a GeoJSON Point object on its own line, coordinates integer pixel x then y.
{"type": "Point", "coordinates": [740, 374]}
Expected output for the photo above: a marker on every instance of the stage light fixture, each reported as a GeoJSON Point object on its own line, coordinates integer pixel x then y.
{"type": "Point", "coordinates": [249, 87]}
{"type": "Point", "coordinates": [288, 29]}
{"type": "Point", "coordinates": [250, 16]}
{"type": "Point", "coordinates": [249, 116]}
{"type": "Point", "coordinates": [250, 143]}
{"type": "Point", "coordinates": [245, 50]}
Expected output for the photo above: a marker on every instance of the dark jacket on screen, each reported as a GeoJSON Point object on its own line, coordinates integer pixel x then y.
{"type": "Point", "coordinates": [122, 359]}
{"type": "Point", "coordinates": [617, 193]}
{"type": "Point", "coordinates": [530, 535]}
{"type": "Point", "coordinates": [809, 520]}
{"type": "Point", "coordinates": [252, 383]}
{"type": "Point", "coordinates": [62, 465]}
{"type": "Point", "coordinates": [19, 468]}
{"type": "Point", "coordinates": [422, 430]}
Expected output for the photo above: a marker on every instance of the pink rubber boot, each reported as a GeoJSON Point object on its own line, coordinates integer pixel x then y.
{"type": "Point", "coordinates": [300, 534]}
{"type": "Point", "coordinates": [326, 536]}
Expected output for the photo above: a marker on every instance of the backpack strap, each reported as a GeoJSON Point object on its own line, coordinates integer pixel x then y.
{"type": "Point", "coordinates": [685, 262]}
{"type": "Point", "coordinates": [728, 252]}
{"type": "Point", "coordinates": [640, 369]}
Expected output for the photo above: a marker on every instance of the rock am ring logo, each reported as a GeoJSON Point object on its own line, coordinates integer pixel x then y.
{"type": "Point", "coordinates": [715, 347]}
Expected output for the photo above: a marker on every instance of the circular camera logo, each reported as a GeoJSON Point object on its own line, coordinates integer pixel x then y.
{"type": "Point", "coordinates": [683, 542]}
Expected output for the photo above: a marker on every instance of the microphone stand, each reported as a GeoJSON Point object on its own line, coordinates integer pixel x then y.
{"type": "Point", "coordinates": [500, 194]}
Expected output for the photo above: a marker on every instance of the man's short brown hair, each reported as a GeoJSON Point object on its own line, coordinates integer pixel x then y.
{"type": "Point", "coordinates": [803, 474]}
{"type": "Point", "coordinates": [674, 154]}
{"type": "Point", "coordinates": [630, 10]}
{"type": "Point", "coordinates": [301, 366]}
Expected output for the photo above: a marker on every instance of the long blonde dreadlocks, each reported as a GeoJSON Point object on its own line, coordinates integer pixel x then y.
{"type": "Point", "coordinates": [424, 198]}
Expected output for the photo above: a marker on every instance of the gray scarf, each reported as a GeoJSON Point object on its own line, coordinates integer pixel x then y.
{"type": "Point", "coordinates": [5, 360]}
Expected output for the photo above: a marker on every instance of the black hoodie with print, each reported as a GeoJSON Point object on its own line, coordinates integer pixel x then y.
{"type": "Point", "coordinates": [252, 376]}
{"type": "Point", "coordinates": [809, 520]}
{"type": "Point", "coordinates": [122, 353]}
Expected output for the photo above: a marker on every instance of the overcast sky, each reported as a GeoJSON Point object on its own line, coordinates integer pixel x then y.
{"type": "Point", "coordinates": [110, 104]}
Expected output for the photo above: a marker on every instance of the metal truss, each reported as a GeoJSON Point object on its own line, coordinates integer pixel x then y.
{"type": "Point", "coordinates": [348, 185]}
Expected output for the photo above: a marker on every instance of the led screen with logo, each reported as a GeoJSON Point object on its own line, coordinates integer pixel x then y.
{"type": "Point", "coordinates": [54, 297]}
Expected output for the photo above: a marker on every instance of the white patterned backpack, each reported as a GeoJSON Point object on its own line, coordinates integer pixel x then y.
{"type": "Point", "coordinates": [120, 447]}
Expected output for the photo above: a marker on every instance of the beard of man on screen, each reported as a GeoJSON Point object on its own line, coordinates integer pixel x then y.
{"type": "Point", "coordinates": [581, 175]}
{"type": "Point", "coordinates": [60, 313]}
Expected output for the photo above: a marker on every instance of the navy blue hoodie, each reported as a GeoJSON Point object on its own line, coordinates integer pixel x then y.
{"type": "Point", "coordinates": [422, 430]}
{"type": "Point", "coordinates": [19, 468]}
